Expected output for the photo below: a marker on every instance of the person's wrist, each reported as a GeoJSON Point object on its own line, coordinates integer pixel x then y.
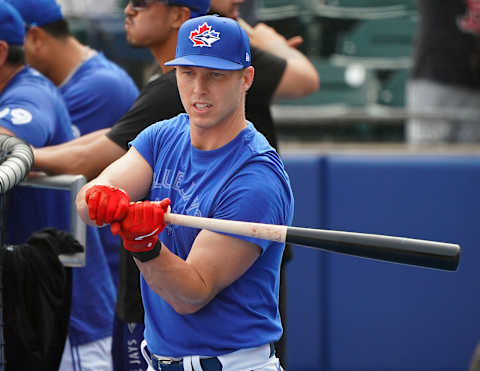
{"type": "Point", "coordinates": [144, 250]}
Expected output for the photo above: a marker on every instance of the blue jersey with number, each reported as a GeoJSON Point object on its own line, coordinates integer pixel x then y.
{"type": "Point", "coordinates": [32, 108]}
{"type": "Point", "coordinates": [97, 95]}
{"type": "Point", "coordinates": [243, 180]}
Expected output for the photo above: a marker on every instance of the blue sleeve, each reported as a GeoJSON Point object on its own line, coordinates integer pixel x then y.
{"type": "Point", "coordinates": [256, 194]}
{"type": "Point", "coordinates": [23, 113]}
{"type": "Point", "coordinates": [144, 143]}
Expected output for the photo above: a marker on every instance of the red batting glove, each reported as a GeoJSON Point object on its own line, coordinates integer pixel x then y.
{"type": "Point", "coordinates": [106, 204]}
{"type": "Point", "coordinates": [140, 228]}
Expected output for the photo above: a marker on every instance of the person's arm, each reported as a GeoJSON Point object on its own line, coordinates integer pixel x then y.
{"type": "Point", "coordinates": [131, 172]}
{"type": "Point", "coordinates": [214, 262]}
{"type": "Point", "coordinates": [83, 139]}
{"type": "Point", "coordinates": [6, 131]}
{"type": "Point", "coordinates": [300, 77]}
{"type": "Point", "coordinates": [86, 156]}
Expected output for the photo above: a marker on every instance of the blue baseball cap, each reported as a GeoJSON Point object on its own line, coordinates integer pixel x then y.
{"type": "Point", "coordinates": [12, 28]}
{"type": "Point", "coordinates": [38, 12]}
{"type": "Point", "coordinates": [197, 7]}
{"type": "Point", "coordinates": [212, 42]}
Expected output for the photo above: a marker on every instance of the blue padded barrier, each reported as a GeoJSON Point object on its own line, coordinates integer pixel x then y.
{"type": "Point", "coordinates": [384, 316]}
{"type": "Point", "coordinates": [305, 345]}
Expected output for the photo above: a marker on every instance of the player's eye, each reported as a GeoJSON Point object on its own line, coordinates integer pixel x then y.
{"type": "Point", "coordinates": [216, 74]}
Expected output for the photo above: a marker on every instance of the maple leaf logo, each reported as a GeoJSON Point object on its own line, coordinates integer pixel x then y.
{"type": "Point", "coordinates": [204, 35]}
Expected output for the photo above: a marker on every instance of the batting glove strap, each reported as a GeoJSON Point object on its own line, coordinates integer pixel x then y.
{"type": "Point", "coordinates": [145, 256]}
{"type": "Point", "coordinates": [144, 250]}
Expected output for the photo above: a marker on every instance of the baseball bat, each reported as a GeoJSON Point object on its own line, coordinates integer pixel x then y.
{"type": "Point", "coordinates": [431, 254]}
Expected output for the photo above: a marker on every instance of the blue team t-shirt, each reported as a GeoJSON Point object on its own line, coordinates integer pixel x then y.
{"type": "Point", "coordinates": [243, 180]}
{"type": "Point", "coordinates": [97, 95]}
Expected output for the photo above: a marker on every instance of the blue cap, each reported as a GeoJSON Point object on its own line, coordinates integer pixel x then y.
{"type": "Point", "coordinates": [12, 28]}
{"type": "Point", "coordinates": [212, 42]}
{"type": "Point", "coordinates": [197, 7]}
{"type": "Point", "coordinates": [38, 12]}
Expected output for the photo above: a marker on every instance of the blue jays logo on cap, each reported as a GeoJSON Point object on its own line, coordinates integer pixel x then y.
{"type": "Point", "coordinates": [212, 42]}
{"type": "Point", "coordinates": [204, 35]}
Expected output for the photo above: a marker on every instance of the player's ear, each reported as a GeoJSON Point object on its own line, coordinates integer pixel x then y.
{"type": "Point", "coordinates": [35, 38]}
{"type": "Point", "coordinates": [179, 14]}
{"type": "Point", "coordinates": [248, 75]}
{"type": "Point", "coordinates": [3, 52]}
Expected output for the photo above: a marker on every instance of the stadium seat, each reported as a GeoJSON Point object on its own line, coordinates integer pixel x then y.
{"type": "Point", "coordinates": [363, 9]}
{"type": "Point", "coordinates": [392, 89]}
{"type": "Point", "coordinates": [270, 10]}
{"type": "Point", "coordinates": [379, 43]}
{"type": "Point", "coordinates": [346, 86]}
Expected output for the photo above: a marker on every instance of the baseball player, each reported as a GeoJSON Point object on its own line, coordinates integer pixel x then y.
{"type": "Point", "coordinates": [211, 299]}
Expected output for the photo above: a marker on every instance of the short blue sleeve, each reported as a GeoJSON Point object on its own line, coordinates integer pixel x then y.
{"type": "Point", "coordinates": [259, 195]}
{"type": "Point", "coordinates": [22, 114]}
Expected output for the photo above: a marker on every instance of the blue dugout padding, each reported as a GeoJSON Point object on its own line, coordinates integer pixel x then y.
{"type": "Point", "coordinates": [305, 291]}
{"type": "Point", "coordinates": [372, 315]}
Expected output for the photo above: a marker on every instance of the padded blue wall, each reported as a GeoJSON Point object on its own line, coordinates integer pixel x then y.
{"type": "Point", "coordinates": [305, 292]}
{"type": "Point", "coordinates": [358, 314]}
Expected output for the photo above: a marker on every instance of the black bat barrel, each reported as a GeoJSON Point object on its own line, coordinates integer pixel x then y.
{"type": "Point", "coordinates": [438, 255]}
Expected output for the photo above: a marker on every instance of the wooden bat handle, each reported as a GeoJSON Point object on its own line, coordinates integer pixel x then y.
{"type": "Point", "coordinates": [269, 232]}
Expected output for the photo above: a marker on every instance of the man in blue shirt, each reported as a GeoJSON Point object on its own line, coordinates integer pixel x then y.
{"type": "Point", "coordinates": [210, 299]}
{"type": "Point", "coordinates": [97, 91]}
{"type": "Point", "coordinates": [32, 108]}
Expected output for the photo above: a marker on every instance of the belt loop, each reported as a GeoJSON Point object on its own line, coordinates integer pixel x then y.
{"type": "Point", "coordinates": [143, 349]}
{"type": "Point", "coordinates": [272, 350]}
{"type": "Point", "coordinates": [187, 364]}
{"type": "Point", "coordinates": [196, 363]}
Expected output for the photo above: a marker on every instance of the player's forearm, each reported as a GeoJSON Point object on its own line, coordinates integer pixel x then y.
{"type": "Point", "coordinates": [177, 282]}
{"type": "Point", "coordinates": [65, 160]}
{"type": "Point", "coordinates": [87, 159]}
{"type": "Point", "coordinates": [88, 138]}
